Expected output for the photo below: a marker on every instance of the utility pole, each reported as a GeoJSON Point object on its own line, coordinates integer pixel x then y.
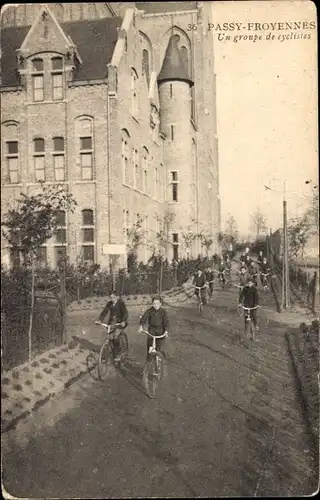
{"type": "Point", "coordinates": [285, 269]}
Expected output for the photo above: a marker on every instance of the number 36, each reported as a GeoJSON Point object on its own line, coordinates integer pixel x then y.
{"type": "Point", "coordinates": [192, 27]}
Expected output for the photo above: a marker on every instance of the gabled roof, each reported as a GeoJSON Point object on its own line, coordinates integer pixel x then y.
{"type": "Point", "coordinates": [95, 41]}
{"type": "Point", "coordinates": [173, 67]}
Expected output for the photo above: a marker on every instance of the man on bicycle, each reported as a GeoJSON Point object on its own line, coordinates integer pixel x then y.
{"type": "Point", "coordinates": [243, 278]}
{"type": "Point", "coordinates": [200, 282]}
{"type": "Point", "coordinates": [249, 298]}
{"type": "Point", "coordinates": [253, 271]}
{"type": "Point", "coordinates": [265, 272]}
{"type": "Point", "coordinates": [260, 258]}
{"type": "Point", "coordinates": [228, 267]}
{"type": "Point", "coordinates": [210, 279]}
{"type": "Point", "coordinates": [118, 313]}
{"type": "Point", "coordinates": [222, 271]}
{"type": "Point", "coordinates": [158, 324]}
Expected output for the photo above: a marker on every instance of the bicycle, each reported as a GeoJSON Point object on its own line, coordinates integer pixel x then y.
{"type": "Point", "coordinates": [222, 278]}
{"type": "Point", "coordinates": [107, 349]}
{"type": "Point", "coordinates": [248, 323]}
{"type": "Point", "coordinates": [210, 289]}
{"type": "Point", "coordinates": [199, 297]}
{"type": "Point", "coordinates": [153, 368]}
{"type": "Point", "coordinates": [264, 281]}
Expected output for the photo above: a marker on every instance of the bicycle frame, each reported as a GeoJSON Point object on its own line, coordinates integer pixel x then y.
{"type": "Point", "coordinates": [154, 338]}
{"type": "Point", "coordinates": [247, 314]}
{"type": "Point", "coordinates": [109, 328]}
{"type": "Point", "coordinates": [200, 299]}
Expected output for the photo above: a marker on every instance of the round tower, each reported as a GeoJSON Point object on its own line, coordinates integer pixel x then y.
{"type": "Point", "coordinates": [174, 86]}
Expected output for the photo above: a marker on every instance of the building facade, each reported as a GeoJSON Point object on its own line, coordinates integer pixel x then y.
{"type": "Point", "coordinates": [116, 102]}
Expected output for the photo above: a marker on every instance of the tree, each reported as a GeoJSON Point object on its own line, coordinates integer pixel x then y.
{"type": "Point", "coordinates": [188, 238]}
{"type": "Point", "coordinates": [30, 223]}
{"type": "Point", "coordinates": [206, 241]}
{"type": "Point", "coordinates": [134, 238]}
{"type": "Point", "coordinates": [258, 222]}
{"type": "Point", "coordinates": [299, 231]}
{"type": "Point", "coordinates": [163, 239]}
{"type": "Point", "coordinates": [232, 227]}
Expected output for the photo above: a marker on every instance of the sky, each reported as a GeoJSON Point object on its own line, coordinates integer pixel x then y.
{"type": "Point", "coordinates": [266, 112]}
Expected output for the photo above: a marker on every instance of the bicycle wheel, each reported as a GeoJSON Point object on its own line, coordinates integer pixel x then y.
{"type": "Point", "coordinates": [105, 360]}
{"type": "Point", "coordinates": [200, 306]}
{"type": "Point", "coordinates": [124, 347]}
{"type": "Point", "coordinates": [153, 373]}
{"type": "Point", "coordinates": [252, 331]}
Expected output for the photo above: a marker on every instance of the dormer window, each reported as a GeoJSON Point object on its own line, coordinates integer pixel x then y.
{"type": "Point", "coordinates": [37, 79]}
{"type": "Point", "coordinates": [57, 78]}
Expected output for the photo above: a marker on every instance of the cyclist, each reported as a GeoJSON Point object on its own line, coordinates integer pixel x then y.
{"type": "Point", "coordinates": [264, 272]}
{"type": "Point", "coordinates": [249, 297]}
{"type": "Point", "coordinates": [260, 258]}
{"type": "Point", "coordinates": [253, 271]}
{"type": "Point", "coordinates": [158, 324]}
{"type": "Point", "coordinates": [200, 281]}
{"type": "Point", "coordinates": [248, 261]}
{"type": "Point", "coordinates": [222, 272]}
{"type": "Point", "coordinates": [210, 279]}
{"type": "Point", "coordinates": [242, 258]}
{"type": "Point", "coordinates": [118, 313]}
{"type": "Point", "coordinates": [228, 267]}
{"type": "Point", "coordinates": [243, 278]}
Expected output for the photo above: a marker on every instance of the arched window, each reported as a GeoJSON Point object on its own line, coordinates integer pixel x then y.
{"type": "Point", "coordinates": [184, 54]}
{"type": "Point", "coordinates": [145, 173]}
{"type": "Point", "coordinates": [84, 130]}
{"type": "Point", "coordinates": [146, 64]}
{"type": "Point", "coordinates": [37, 80]}
{"type": "Point", "coordinates": [134, 92]}
{"type": "Point", "coordinates": [11, 134]}
{"type": "Point", "coordinates": [57, 78]}
{"type": "Point", "coordinates": [125, 154]}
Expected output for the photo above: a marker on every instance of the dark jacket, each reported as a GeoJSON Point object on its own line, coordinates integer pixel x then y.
{"type": "Point", "coordinates": [118, 312]}
{"type": "Point", "coordinates": [210, 276]}
{"type": "Point", "coordinates": [199, 281]}
{"type": "Point", "coordinates": [265, 269]}
{"type": "Point", "coordinates": [249, 296]}
{"type": "Point", "coordinates": [156, 319]}
{"type": "Point", "coordinates": [243, 278]}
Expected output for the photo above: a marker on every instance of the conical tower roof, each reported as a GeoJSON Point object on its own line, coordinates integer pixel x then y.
{"type": "Point", "coordinates": [173, 67]}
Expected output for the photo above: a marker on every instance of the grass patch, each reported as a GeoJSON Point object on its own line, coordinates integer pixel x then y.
{"type": "Point", "coordinates": [43, 360]}
{"type": "Point", "coordinates": [4, 395]}
{"type": "Point", "coordinates": [26, 369]}
{"type": "Point", "coordinates": [55, 365]}
{"type": "Point", "coordinates": [28, 382]}
{"type": "Point", "coordinates": [5, 381]}
{"type": "Point", "coordinates": [38, 375]}
{"type": "Point", "coordinates": [17, 387]}
{"type": "Point", "coordinates": [15, 375]}
{"type": "Point", "coordinates": [48, 370]}
{"type": "Point", "coordinates": [52, 356]}
{"type": "Point", "coordinates": [35, 364]}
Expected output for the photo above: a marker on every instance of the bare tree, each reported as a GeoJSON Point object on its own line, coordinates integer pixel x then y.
{"type": "Point", "coordinates": [232, 227]}
{"type": "Point", "coordinates": [163, 239]}
{"type": "Point", "coordinates": [188, 238]}
{"type": "Point", "coordinates": [258, 222]}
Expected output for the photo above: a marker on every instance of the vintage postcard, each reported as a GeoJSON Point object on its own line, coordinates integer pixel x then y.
{"type": "Point", "coordinates": [159, 249]}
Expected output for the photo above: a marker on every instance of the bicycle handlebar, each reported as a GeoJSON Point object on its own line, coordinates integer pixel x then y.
{"type": "Point", "coordinates": [107, 326]}
{"type": "Point", "coordinates": [248, 308]}
{"type": "Point", "coordinates": [154, 336]}
{"type": "Point", "coordinates": [200, 287]}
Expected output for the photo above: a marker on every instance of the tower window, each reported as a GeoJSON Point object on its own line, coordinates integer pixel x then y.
{"type": "Point", "coordinates": [58, 158]}
{"type": "Point", "coordinates": [39, 159]}
{"type": "Point", "coordinates": [174, 186]}
{"type": "Point", "coordinates": [171, 91]}
{"type": "Point", "coordinates": [172, 132]}
{"type": "Point", "coordinates": [37, 80]}
{"type": "Point", "coordinates": [175, 244]}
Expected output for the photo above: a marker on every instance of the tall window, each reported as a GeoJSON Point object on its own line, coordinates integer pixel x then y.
{"type": "Point", "coordinates": [172, 132]}
{"type": "Point", "coordinates": [145, 64]}
{"type": "Point", "coordinates": [59, 158]}
{"type": "Point", "coordinates": [145, 181]}
{"type": "Point", "coordinates": [125, 151]}
{"type": "Point", "coordinates": [126, 224]}
{"type": "Point", "coordinates": [37, 79]}
{"type": "Point", "coordinates": [174, 186]}
{"type": "Point", "coordinates": [156, 184]}
{"type": "Point", "coordinates": [136, 169]}
{"type": "Point", "coordinates": [134, 92]}
{"type": "Point", "coordinates": [12, 155]}
{"type": "Point", "coordinates": [175, 245]}
{"type": "Point", "coordinates": [162, 183]}
{"type": "Point", "coordinates": [88, 237]}
{"type": "Point", "coordinates": [39, 159]}
{"type": "Point", "coordinates": [57, 78]}
{"type": "Point", "coordinates": [171, 91]}
{"type": "Point", "coordinates": [86, 149]}
{"type": "Point", "coordinates": [60, 245]}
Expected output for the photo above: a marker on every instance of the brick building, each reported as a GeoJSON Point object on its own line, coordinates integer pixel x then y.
{"type": "Point", "coordinates": [117, 102]}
